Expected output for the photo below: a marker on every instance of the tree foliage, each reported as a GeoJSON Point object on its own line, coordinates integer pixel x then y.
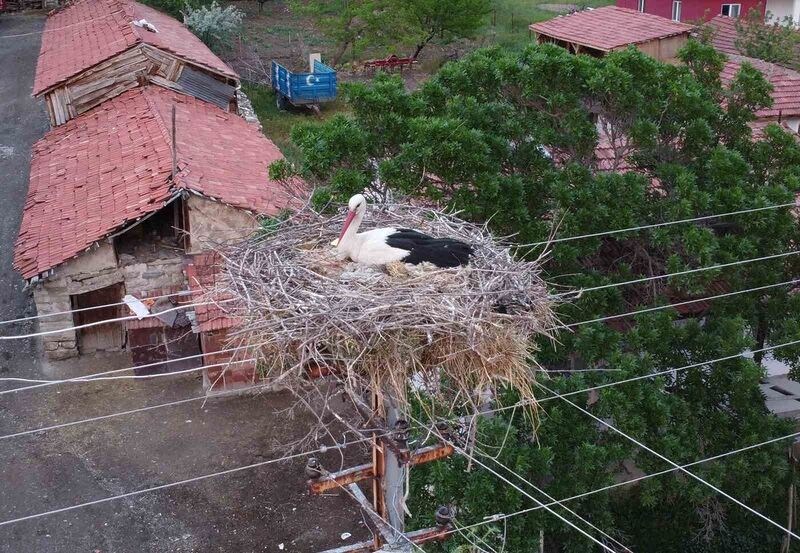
{"type": "Point", "coordinates": [213, 24]}
{"type": "Point", "coordinates": [443, 19]}
{"type": "Point", "coordinates": [512, 138]}
{"type": "Point", "coordinates": [768, 39]}
{"type": "Point", "coordinates": [391, 24]}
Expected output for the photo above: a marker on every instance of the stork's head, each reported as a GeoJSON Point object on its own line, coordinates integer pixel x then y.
{"type": "Point", "coordinates": [355, 207]}
{"type": "Point", "coordinates": [357, 204]}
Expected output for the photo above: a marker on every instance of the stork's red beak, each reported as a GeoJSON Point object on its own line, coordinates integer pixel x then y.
{"type": "Point", "coordinates": [347, 222]}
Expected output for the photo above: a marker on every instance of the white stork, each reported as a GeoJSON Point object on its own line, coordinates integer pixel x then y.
{"type": "Point", "coordinates": [385, 245]}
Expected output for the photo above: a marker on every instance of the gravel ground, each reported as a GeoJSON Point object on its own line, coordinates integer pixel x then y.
{"type": "Point", "coordinates": [260, 509]}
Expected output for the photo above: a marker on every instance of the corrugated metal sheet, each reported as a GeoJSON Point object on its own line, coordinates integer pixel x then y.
{"type": "Point", "coordinates": [204, 86]}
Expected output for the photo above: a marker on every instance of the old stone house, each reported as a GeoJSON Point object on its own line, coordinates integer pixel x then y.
{"type": "Point", "coordinates": [109, 215]}
{"type": "Point", "coordinates": [94, 50]}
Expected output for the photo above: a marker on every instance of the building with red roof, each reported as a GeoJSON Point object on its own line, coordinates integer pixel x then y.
{"type": "Point", "coordinates": [600, 31]}
{"type": "Point", "coordinates": [785, 83]}
{"type": "Point", "coordinates": [93, 50]}
{"type": "Point", "coordinates": [116, 207]}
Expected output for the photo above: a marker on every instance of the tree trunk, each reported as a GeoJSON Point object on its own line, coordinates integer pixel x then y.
{"type": "Point", "coordinates": [761, 333]}
{"type": "Point", "coordinates": [339, 54]}
{"type": "Point", "coordinates": [422, 45]}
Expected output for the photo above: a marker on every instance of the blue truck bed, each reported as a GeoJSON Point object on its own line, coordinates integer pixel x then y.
{"type": "Point", "coordinates": [305, 88]}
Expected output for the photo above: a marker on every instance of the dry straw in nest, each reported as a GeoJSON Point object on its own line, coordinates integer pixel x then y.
{"type": "Point", "coordinates": [451, 333]}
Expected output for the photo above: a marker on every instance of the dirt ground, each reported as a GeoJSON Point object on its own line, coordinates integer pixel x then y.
{"type": "Point", "coordinates": [261, 509]}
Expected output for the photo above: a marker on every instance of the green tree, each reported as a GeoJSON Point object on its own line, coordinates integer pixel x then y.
{"type": "Point", "coordinates": [355, 24]}
{"type": "Point", "coordinates": [768, 39]}
{"type": "Point", "coordinates": [512, 138]}
{"type": "Point", "coordinates": [444, 19]}
{"type": "Point", "coordinates": [213, 24]}
{"type": "Point", "coordinates": [391, 24]}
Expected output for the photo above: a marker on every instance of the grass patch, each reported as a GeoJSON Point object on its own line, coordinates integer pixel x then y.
{"type": "Point", "coordinates": [278, 124]}
{"type": "Point", "coordinates": [509, 20]}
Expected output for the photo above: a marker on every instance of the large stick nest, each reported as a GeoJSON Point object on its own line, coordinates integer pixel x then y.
{"type": "Point", "coordinates": [455, 334]}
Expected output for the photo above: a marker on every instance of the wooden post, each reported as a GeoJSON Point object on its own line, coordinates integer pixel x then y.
{"type": "Point", "coordinates": [174, 147]}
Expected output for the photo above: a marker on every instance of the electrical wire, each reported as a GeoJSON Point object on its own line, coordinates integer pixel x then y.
{"type": "Point", "coordinates": [581, 291]}
{"type": "Point", "coordinates": [553, 241]}
{"type": "Point", "coordinates": [678, 304]}
{"type": "Point", "coordinates": [84, 22]}
{"type": "Point", "coordinates": [566, 326]}
{"type": "Point", "coordinates": [322, 449]}
{"type": "Point", "coordinates": [92, 308]}
{"type": "Point", "coordinates": [466, 454]}
{"type": "Point", "coordinates": [108, 321]}
{"type": "Point", "coordinates": [117, 414]}
{"type": "Point", "coordinates": [674, 464]}
{"type": "Point", "coordinates": [551, 498]}
{"type": "Point", "coordinates": [502, 516]}
{"type": "Point", "coordinates": [655, 225]}
{"type": "Point", "coordinates": [92, 378]}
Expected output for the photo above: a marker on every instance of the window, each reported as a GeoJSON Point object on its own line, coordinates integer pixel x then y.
{"type": "Point", "coordinates": [731, 10]}
{"type": "Point", "coordinates": [676, 10]}
{"type": "Point", "coordinates": [641, 6]}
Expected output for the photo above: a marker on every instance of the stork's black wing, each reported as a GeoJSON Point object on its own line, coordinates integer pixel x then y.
{"type": "Point", "coordinates": [442, 252]}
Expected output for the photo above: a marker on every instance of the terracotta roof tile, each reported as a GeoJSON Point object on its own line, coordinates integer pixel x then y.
{"type": "Point", "coordinates": [87, 32]}
{"type": "Point", "coordinates": [609, 27]}
{"type": "Point", "coordinates": [725, 34]}
{"type": "Point", "coordinates": [112, 165]}
{"type": "Point", "coordinates": [785, 83]}
{"type": "Point", "coordinates": [724, 38]}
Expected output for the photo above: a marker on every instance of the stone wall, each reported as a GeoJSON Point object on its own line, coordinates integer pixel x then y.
{"type": "Point", "coordinates": [152, 268]}
{"type": "Point", "coordinates": [92, 270]}
{"type": "Point", "coordinates": [212, 223]}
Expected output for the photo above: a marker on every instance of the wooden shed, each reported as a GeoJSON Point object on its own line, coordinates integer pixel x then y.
{"type": "Point", "coordinates": [600, 31]}
{"type": "Point", "coordinates": [94, 50]}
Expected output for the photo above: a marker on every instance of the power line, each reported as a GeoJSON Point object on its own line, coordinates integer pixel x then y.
{"type": "Point", "coordinates": [93, 378]}
{"type": "Point", "coordinates": [466, 454]}
{"type": "Point", "coordinates": [187, 306]}
{"type": "Point", "coordinates": [656, 225]}
{"type": "Point", "coordinates": [92, 308]}
{"type": "Point", "coordinates": [108, 321]}
{"type": "Point", "coordinates": [678, 304]}
{"type": "Point", "coordinates": [109, 416]}
{"type": "Point", "coordinates": [674, 464]}
{"type": "Point", "coordinates": [554, 500]}
{"type": "Point", "coordinates": [322, 449]}
{"type": "Point", "coordinates": [64, 27]}
{"type": "Point", "coordinates": [581, 291]}
{"type": "Point", "coordinates": [571, 325]}
{"type": "Point", "coordinates": [502, 516]}
{"type": "Point", "coordinates": [88, 377]}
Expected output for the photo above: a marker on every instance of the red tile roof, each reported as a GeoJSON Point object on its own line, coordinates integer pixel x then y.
{"type": "Point", "coordinates": [202, 273]}
{"type": "Point", "coordinates": [757, 127]}
{"type": "Point", "coordinates": [87, 32]}
{"type": "Point", "coordinates": [112, 165]}
{"type": "Point", "coordinates": [724, 37]}
{"type": "Point", "coordinates": [725, 34]}
{"type": "Point", "coordinates": [609, 28]}
{"type": "Point", "coordinates": [785, 83]}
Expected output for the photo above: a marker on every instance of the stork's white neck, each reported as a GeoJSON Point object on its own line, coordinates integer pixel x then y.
{"type": "Point", "coordinates": [349, 239]}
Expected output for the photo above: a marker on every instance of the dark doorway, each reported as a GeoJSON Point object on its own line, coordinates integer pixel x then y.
{"type": "Point", "coordinates": [162, 338]}
{"type": "Point", "coordinates": [99, 337]}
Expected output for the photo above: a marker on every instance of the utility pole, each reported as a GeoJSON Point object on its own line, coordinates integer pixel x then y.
{"type": "Point", "coordinates": [391, 460]}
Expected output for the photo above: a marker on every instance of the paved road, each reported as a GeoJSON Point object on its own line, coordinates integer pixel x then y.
{"type": "Point", "coordinates": [254, 510]}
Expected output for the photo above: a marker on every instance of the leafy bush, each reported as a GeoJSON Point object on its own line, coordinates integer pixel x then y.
{"type": "Point", "coordinates": [215, 25]}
